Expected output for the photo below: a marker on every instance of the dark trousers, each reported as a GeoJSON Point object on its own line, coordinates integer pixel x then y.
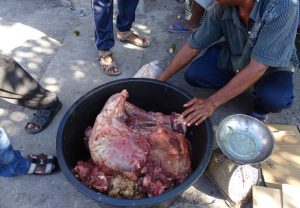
{"type": "Point", "coordinates": [103, 20]}
{"type": "Point", "coordinates": [273, 92]}
{"type": "Point", "coordinates": [19, 87]}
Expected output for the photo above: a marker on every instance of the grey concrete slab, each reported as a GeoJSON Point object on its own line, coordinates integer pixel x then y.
{"type": "Point", "coordinates": [39, 34]}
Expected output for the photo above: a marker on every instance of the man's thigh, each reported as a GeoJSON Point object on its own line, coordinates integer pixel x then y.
{"type": "Point", "coordinates": [274, 92]}
{"type": "Point", "coordinates": [203, 72]}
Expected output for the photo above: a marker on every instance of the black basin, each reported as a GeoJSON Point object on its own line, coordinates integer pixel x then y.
{"type": "Point", "coordinates": [149, 95]}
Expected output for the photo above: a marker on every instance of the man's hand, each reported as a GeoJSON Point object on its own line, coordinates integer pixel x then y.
{"type": "Point", "coordinates": [197, 111]}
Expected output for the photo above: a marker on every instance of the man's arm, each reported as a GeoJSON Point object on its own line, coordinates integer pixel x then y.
{"type": "Point", "coordinates": [199, 109]}
{"type": "Point", "coordinates": [182, 58]}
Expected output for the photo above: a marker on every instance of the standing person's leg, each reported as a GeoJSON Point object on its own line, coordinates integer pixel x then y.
{"type": "Point", "coordinates": [11, 161]}
{"type": "Point", "coordinates": [126, 16]}
{"type": "Point", "coordinates": [13, 164]}
{"type": "Point", "coordinates": [125, 19]}
{"type": "Point", "coordinates": [104, 36]}
{"type": "Point", "coordinates": [273, 93]}
{"type": "Point", "coordinates": [203, 72]}
{"type": "Point", "coordinates": [18, 86]}
{"type": "Point", "coordinates": [197, 16]}
{"type": "Point", "coordinates": [188, 9]}
{"type": "Point", "coordinates": [103, 22]}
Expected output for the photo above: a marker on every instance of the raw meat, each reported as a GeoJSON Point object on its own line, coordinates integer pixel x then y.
{"type": "Point", "coordinates": [135, 152]}
{"type": "Point", "coordinates": [113, 146]}
{"type": "Point", "coordinates": [168, 161]}
{"type": "Point", "coordinates": [91, 175]}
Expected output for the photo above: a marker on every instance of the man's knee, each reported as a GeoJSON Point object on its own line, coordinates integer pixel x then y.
{"type": "Point", "coordinates": [190, 77]}
{"type": "Point", "coordinates": [275, 96]}
{"type": "Point", "coordinates": [277, 104]}
{"type": "Point", "coordinates": [274, 99]}
{"type": "Point", "coordinates": [196, 75]}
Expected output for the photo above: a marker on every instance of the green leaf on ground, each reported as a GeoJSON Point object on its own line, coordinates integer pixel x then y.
{"type": "Point", "coordinates": [76, 33]}
{"type": "Point", "coordinates": [172, 48]}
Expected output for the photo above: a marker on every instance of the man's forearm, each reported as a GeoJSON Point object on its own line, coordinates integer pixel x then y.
{"type": "Point", "coordinates": [183, 57]}
{"type": "Point", "coordinates": [241, 82]}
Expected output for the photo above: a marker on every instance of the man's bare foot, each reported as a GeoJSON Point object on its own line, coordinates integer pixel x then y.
{"type": "Point", "coordinates": [198, 15]}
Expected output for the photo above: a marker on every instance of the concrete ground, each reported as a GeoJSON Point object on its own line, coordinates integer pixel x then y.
{"type": "Point", "coordinates": [40, 35]}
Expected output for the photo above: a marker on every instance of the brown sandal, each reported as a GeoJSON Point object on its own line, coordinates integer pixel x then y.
{"type": "Point", "coordinates": [137, 41]}
{"type": "Point", "coordinates": [110, 68]}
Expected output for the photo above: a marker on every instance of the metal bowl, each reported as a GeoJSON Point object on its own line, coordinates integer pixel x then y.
{"type": "Point", "coordinates": [244, 139]}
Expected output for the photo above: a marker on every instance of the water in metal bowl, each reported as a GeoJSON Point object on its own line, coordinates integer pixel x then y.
{"type": "Point", "coordinates": [244, 139]}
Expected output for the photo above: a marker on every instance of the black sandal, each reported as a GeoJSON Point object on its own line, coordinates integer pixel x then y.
{"type": "Point", "coordinates": [42, 164]}
{"type": "Point", "coordinates": [42, 118]}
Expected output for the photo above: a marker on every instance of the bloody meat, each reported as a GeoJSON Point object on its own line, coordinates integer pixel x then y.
{"type": "Point", "coordinates": [133, 152]}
